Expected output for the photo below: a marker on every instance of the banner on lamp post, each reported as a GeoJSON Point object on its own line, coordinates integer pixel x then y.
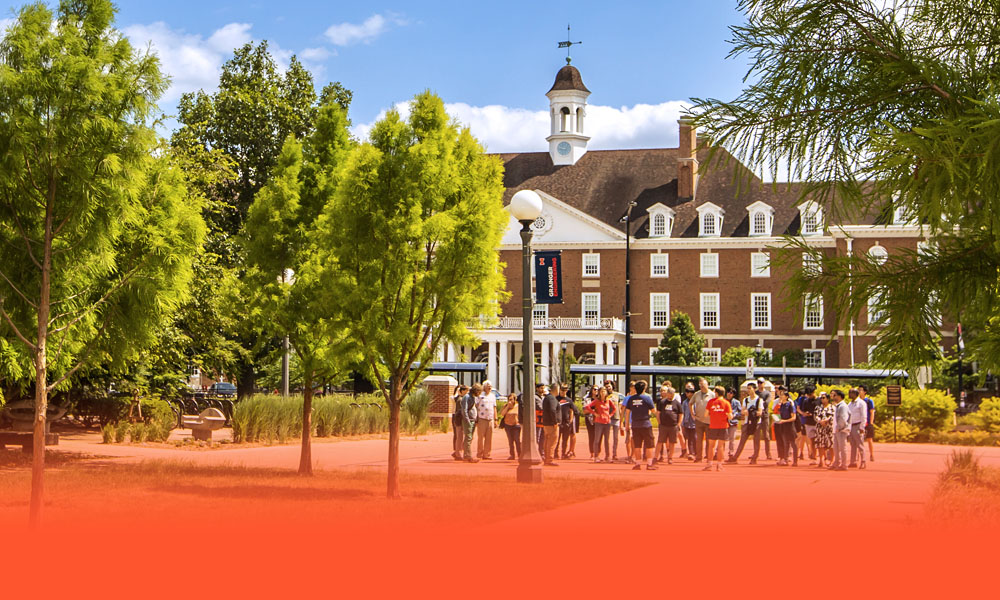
{"type": "Point", "coordinates": [548, 277]}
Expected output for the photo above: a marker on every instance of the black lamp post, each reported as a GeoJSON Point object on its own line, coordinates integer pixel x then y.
{"type": "Point", "coordinates": [628, 294]}
{"type": "Point", "coordinates": [526, 206]}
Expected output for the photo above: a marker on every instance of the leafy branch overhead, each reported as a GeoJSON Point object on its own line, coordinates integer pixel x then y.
{"type": "Point", "coordinates": [882, 107]}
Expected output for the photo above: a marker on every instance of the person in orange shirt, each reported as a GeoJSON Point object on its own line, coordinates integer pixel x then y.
{"type": "Point", "coordinates": [719, 411]}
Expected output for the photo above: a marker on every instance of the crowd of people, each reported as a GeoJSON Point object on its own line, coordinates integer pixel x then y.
{"type": "Point", "coordinates": [702, 422]}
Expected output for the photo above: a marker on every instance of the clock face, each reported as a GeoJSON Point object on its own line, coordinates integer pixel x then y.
{"type": "Point", "coordinates": [563, 148]}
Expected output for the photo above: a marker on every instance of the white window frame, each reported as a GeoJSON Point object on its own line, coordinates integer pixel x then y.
{"type": "Point", "coordinates": [822, 357]}
{"type": "Point", "coordinates": [540, 322]}
{"type": "Point", "coordinates": [596, 257]}
{"type": "Point", "coordinates": [701, 263]}
{"type": "Point", "coordinates": [811, 210]}
{"type": "Point", "coordinates": [718, 310]}
{"type": "Point", "coordinates": [653, 312]}
{"type": "Point", "coordinates": [666, 265]}
{"type": "Point", "coordinates": [716, 354]}
{"type": "Point", "coordinates": [876, 314]}
{"type": "Point", "coordinates": [587, 322]}
{"type": "Point", "coordinates": [811, 266]}
{"type": "Point", "coordinates": [756, 271]}
{"type": "Point", "coordinates": [815, 300]}
{"type": "Point", "coordinates": [879, 254]}
{"type": "Point", "coordinates": [754, 297]}
{"type": "Point", "coordinates": [716, 213]}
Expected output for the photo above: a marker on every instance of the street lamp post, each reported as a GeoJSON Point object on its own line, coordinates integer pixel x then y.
{"type": "Point", "coordinates": [628, 295]}
{"type": "Point", "coordinates": [526, 206]}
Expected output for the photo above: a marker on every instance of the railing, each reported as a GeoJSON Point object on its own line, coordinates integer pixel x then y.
{"type": "Point", "coordinates": [603, 323]}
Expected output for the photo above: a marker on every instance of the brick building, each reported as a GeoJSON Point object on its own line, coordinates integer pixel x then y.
{"type": "Point", "coordinates": [700, 243]}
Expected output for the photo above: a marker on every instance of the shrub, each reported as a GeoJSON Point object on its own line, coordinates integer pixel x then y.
{"type": "Point", "coordinates": [987, 418]}
{"type": "Point", "coordinates": [138, 433]}
{"type": "Point", "coordinates": [904, 431]}
{"type": "Point", "coordinates": [926, 410]}
{"type": "Point", "coordinates": [108, 434]}
{"type": "Point", "coordinates": [965, 438]}
{"type": "Point", "coordinates": [158, 415]}
{"type": "Point", "coordinates": [270, 418]}
{"type": "Point", "coordinates": [121, 431]}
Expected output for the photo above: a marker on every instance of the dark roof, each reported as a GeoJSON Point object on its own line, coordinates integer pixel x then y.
{"type": "Point", "coordinates": [603, 182]}
{"type": "Point", "coordinates": [568, 78]}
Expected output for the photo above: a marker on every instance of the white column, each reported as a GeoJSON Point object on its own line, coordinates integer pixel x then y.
{"type": "Point", "coordinates": [491, 362]}
{"type": "Point", "coordinates": [546, 348]}
{"type": "Point", "coordinates": [450, 355]}
{"type": "Point", "coordinates": [600, 351]}
{"type": "Point", "coordinates": [503, 385]}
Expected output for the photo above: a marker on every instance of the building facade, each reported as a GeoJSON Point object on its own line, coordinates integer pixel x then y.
{"type": "Point", "coordinates": [701, 242]}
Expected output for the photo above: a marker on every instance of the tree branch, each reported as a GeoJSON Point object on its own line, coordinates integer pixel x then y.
{"type": "Point", "coordinates": [19, 292]}
{"type": "Point", "coordinates": [17, 331]}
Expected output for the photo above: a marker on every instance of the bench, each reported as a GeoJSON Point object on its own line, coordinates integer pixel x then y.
{"type": "Point", "coordinates": [25, 440]}
{"type": "Point", "coordinates": [202, 425]}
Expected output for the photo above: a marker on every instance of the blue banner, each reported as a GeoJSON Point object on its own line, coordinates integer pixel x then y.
{"type": "Point", "coordinates": [548, 277]}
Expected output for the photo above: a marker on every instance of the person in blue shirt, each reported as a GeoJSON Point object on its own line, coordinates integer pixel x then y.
{"type": "Point", "coordinates": [688, 427]}
{"type": "Point", "coordinates": [638, 412]}
{"type": "Point", "coordinates": [734, 422]}
{"type": "Point", "coordinates": [870, 425]}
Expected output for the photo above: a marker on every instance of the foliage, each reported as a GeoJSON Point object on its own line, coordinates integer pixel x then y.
{"type": "Point", "coordinates": [965, 438]}
{"type": "Point", "coordinates": [428, 203]}
{"type": "Point", "coordinates": [137, 433]}
{"type": "Point", "coordinates": [904, 431]}
{"type": "Point", "coordinates": [881, 106]}
{"type": "Point", "coordinates": [736, 356]}
{"type": "Point", "coordinates": [987, 418]}
{"type": "Point", "coordinates": [121, 431]}
{"type": "Point", "coordinates": [925, 410]}
{"type": "Point", "coordinates": [681, 344]}
{"type": "Point", "coordinates": [108, 434]}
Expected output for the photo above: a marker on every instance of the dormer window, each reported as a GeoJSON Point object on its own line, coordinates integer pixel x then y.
{"type": "Point", "coordinates": [900, 216]}
{"type": "Point", "coordinates": [811, 216]}
{"type": "Point", "coordinates": [761, 219]}
{"type": "Point", "coordinates": [710, 220]}
{"type": "Point", "coordinates": [661, 220]}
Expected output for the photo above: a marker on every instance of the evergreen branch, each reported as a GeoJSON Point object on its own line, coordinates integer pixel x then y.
{"type": "Point", "coordinates": [19, 292]}
{"type": "Point", "coordinates": [121, 283]}
{"type": "Point", "coordinates": [17, 331]}
{"type": "Point", "coordinates": [83, 359]}
{"type": "Point", "coordinates": [27, 240]}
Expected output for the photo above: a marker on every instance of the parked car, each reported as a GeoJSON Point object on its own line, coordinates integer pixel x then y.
{"type": "Point", "coordinates": [223, 389]}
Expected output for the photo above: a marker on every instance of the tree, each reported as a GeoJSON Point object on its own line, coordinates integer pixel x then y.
{"type": "Point", "coordinates": [284, 270]}
{"type": "Point", "coordinates": [877, 109]}
{"type": "Point", "coordinates": [736, 356]}
{"type": "Point", "coordinates": [94, 216]}
{"type": "Point", "coordinates": [681, 345]}
{"type": "Point", "coordinates": [246, 122]}
{"type": "Point", "coordinates": [427, 204]}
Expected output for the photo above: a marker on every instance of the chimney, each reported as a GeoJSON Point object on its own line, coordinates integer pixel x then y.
{"type": "Point", "coordinates": [687, 159]}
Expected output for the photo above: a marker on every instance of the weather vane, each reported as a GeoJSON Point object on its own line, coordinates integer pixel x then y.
{"type": "Point", "coordinates": [567, 44]}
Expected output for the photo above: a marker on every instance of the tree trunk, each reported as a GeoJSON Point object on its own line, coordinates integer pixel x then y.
{"type": "Point", "coordinates": [41, 374]}
{"type": "Point", "coordinates": [246, 384]}
{"type": "Point", "coordinates": [305, 459]}
{"type": "Point", "coordinates": [392, 488]}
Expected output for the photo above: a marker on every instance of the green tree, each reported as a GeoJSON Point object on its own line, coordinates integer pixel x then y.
{"type": "Point", "coordinates": [882, 108]}
{"type": "Point", "coordinates": [284, 270]}
{"type": "Point", "coordinates": [410, 244]}
{"type": "Point", "coordinates": [95, 222]}
{"type": "Point", "coordinates": [681, 344]}
{"type": "Point", "coordinates": [736, 356]}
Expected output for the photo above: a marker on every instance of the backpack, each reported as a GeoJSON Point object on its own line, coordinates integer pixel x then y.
{"type": "Point", "coordinates": [753, 417]}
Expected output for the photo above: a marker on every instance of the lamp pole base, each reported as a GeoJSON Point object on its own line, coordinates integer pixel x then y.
{"type": "Point", "coordinates": [529, 473]}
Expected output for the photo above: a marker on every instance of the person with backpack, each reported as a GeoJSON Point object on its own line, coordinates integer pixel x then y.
{"type": "Point", "coordinates": [588, 419]}
{"type": "Point", "coordinates": [751, 419]}
{"type": "Point", "coordinates": [638, 411]}
{"type": "Point", "coordinates": [569, 423]}
{"type": "Point", "coordinates": [785, 429]}
{"type": "Point", "coordinates": [457, 423]}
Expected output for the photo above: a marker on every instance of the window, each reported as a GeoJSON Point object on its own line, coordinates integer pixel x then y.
{"type": "Point", "coordinates": [815, 358]}
{"type": "Point", "coordinates": [659, 228]}
{"type": "Point", "coordinates": [760, 308]}
{"type": "Point", "coordinates": [811, 215]}
{"type": "Point", "coordinates": [813, 317]}
{"type": "Point", "coordinates": [661, 220]}
{"type": "Point", "coordinates": [710, 220]}
{"type": "Point", "coordinates": [878, 254]}
{"type": "Point", "coordinates": [811, 264]}
{"type": "Point", "coordinates": [579, 120]}
{"type": "Point", "coordinates": [592, 265]}
{"type": "Point", "coordinates": [540, 316]}
{"type": "Point", "coordinates": [876, 314]}
{"type": "Point", "coordinates": [709, 264]}
{"type": "Point", "coordinates": [872, 351]}
{"type": "Point", "coordinates": [659, 265]}
{"type": "Point", "coordinates": [760, 264]}
{"type": "Point", "coordinates": [900, 216]}
{"type": "Point", "coordinates": [711, 356]}
{"type": "Point", "coordinates": [591, 309]}
{"type": "Point", "coordinates": [761, 219]}
{"type": "Point", "coordinates": [564, 121]}
{"type": "Point", "coordinates": [710, 311]}
{"type": "Point", "coordinates": [659, 311]}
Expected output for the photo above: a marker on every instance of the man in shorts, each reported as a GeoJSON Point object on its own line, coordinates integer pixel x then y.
{"type": "Point", "coordinates": [669, 411]}
{"type": "Point", "coordinates": [719, 411]}
{"type": "Point", "coordinates": [569, 422]}
{"type": "Point", "coordinates": [870, 427]}
{"type": "Point", "coordinates": [638, 410]}
{"type": "Point", "coordinates": [805, 409]}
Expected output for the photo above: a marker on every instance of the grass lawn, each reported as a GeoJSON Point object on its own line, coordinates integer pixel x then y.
{"type": "Point", "coordinates": [153, 492]}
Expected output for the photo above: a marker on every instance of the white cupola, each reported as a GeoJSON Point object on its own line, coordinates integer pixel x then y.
{"type": "Point", "coordinates": [567, 110]}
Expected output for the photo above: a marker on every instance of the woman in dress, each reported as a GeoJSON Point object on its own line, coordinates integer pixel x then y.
{"type": "Point", "coordinates": [824, 429]}
{"type": "Point", "coordinates": [510, 417]}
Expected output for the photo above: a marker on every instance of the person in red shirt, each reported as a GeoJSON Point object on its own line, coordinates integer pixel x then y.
{"type": "Point", "coordinates": [719, 412]}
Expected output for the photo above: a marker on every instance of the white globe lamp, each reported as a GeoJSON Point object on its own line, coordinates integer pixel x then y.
{"type": "Point", "coordinates": [526, 205]}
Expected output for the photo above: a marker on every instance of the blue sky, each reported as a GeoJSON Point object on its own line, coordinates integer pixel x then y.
{"type": "Point", "coordinates": [491, 62]}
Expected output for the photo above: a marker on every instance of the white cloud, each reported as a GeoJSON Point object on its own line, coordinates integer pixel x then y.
{"type": "Point", "coordinates": [4, 24]}
{"type": "Point", "coordinates": [505, 129]}
{"type": "Point", "coordinates": [346, 34]}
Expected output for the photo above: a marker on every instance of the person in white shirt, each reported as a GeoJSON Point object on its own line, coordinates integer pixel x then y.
{"type": "Point", "coordinates": [841, 429]}
{"type": "Point", "coordinates": [859, 418]}
{"type": "Point", "coordinates": [486, 409]}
